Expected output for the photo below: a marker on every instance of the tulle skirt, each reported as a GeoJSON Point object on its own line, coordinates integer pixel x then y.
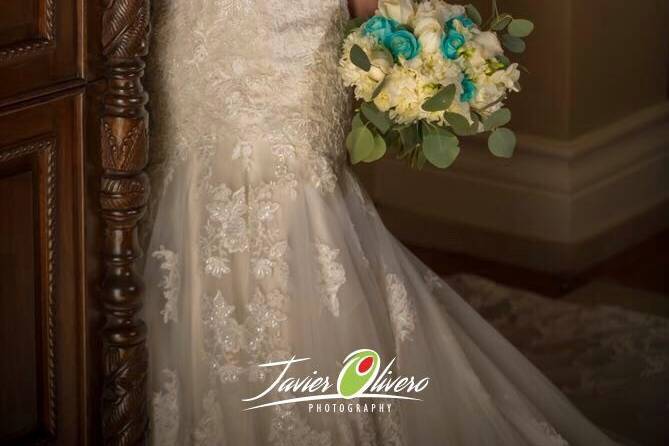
{"type": "Point", "coordinates": [248, 275]}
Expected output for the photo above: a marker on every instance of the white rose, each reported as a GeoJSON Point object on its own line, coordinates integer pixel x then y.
{"type": "Point", "coordinates": [399, 10]}
{"type": "Point", "coordinates": [489, 44]}
{"type": "Point", "coordinates": [430, 42]}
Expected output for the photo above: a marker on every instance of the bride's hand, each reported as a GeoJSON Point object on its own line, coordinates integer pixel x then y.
{"type": "Point", "coordinates": [362, 8]}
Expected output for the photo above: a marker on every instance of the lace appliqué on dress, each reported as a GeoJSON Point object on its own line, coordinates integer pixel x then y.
{"type": "Point", "coordinates": [289, 429]}
{"type": "Point", "coordinates": [209, 430]}
{"type": "Point", "coordinates": [401, 311]}
{"type": "Point", "coordinates": [551, 434]}
{"type": "Point", "coordinates": [166, 411]}
{"type": "Point", "coordinates": [170, 284]}
{"type": "Point", "coordinates": [332, 276]}
{"type": "Point", "coordinates": [225, 230]}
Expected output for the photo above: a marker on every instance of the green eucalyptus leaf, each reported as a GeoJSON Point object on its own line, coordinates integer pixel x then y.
{"type": "Point", "coordinates": [476, 120]}
{"type": "Point", "coordinates": [359, 58]}
{"type": "Point", "coordinates": [503, 60]}
{"type": "Point", "coordinates": [441, 100]}
{"type": "Point", "coordinates": [349, 141]}
{"type": "Point", "coordinates": [513, 43]}
{"type": "Point", "coordinates": [458, 123]}
{"type": "Point", "coordinates": [380, 119]}
{"type": "Point", "coordinates": [420, 160]}
{"type": "Point", "coordinates": [379, 88]}
{"type": "Point", "coordinates": [393, 142]}
{"type": "Point", "coordinates": [520, 28]}
{"type": "Point", "coordinates": [440, 147]}
{"type": "Point", "coordinates": [502, 143]}
{"type": "Point", "coordinates": [498, 119]}
{"type": "Point", "coordinates": [362, 143]}
{"type": "Point", "coordinates": [379, 149]}
{"type": "Point", "coordinates": [500, 22]}
{"type": "Point", "coordinates": [474, 14]}
{"type": "Point", "coordinates": [357, 121]}
{"type": "Point", "coordinates": [409, 138]}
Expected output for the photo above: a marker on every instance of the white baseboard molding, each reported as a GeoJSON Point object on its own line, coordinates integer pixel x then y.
{"type": "Point", "coordinates": [556, 206]}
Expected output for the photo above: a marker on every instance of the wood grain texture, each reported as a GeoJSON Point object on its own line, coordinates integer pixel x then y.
{"type": "Point", "coordinates": [124, 191]}
{"type": "Point", "coordinates": [40, 47]}
{"type": "Point", "coordinates": [44, 39]}
{"type": "Point", "coordinates": [41, 151]}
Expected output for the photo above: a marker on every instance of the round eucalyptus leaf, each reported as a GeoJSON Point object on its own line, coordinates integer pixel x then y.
{"type": "Point", "coordinates": [441, 100]}
{"type": "Point", "coordinates": [503, 60]}
{"type": "Point", "coordinates": [440, 149]}
{"type": "Point", "coordinates": [520, 28]}
{"type": "Point", "coordinates": [502, 143]}
{"type": "Point", "coordinates": [473, 14]}
{"type": "Point", "coordinates": [378, 151]}
{"type": "Point", "coordinates": [458, 123]}
{"type": "Point", "coordinates": [380, 119]}
{"type": "Point", "coordinates": [498, 119]}
{"type": "Point", "coordinates": [513, 43]}
{"type": "Point", "coordinates": [500, 22]}
{"type": "Point", "coordinates": [362, 142]}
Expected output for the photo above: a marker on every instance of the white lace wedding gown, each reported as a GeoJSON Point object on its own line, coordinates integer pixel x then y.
{"type": "Point", "coordinates": [264, 247]}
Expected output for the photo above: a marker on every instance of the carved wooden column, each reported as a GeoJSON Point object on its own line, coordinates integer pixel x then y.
{"type": "Point", "coordinates": [123, 196]}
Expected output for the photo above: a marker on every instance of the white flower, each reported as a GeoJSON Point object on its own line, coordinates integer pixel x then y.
{"type": "Point", "coordinates": [508, 77]}
{"type": "Point", "coordinates": [364, 82]}
{"type": "Point", "coordinates": [439, 70]}
{"type": "Point", "coordinates": [382, 62]}
{"type": "Point", "coordinates": [430, 41]}
{"type": "Point", "coordinates": [400, 10]}
{"type": "Point", "coordinates": [383, 101]}
{"type": "Point", "coordinates": [438, 9]}
{"type": "Point", "coordinates": [488, 44]}
{"type": "Point", "coordinates": [445, 11]}
{"type": "Point", "coordinates": [424, 24]}
{"type": "Point", "coordinates": [490, 89]}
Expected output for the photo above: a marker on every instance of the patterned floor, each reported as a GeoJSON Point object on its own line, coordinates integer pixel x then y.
{"type": "Point", "coordinates": [612, 362]}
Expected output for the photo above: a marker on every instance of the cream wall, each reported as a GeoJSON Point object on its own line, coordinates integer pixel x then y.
{"type": "Point", "coordinates": [591, 173]}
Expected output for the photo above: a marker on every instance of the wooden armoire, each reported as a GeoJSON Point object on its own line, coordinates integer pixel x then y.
{"type": "Point", "coordinates": [73, 147]}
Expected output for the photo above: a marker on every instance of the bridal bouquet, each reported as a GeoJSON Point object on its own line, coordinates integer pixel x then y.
{"type": "Point", "coordinates": [426, 73]}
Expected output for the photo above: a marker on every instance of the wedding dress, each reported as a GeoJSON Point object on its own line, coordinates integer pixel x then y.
{"type": "Point", "coordinates": [266, 248]}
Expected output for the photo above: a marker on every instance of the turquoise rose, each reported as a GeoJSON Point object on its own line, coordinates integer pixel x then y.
{"type": "Point", "coordinates": [463, 19]}
{"type": "Point", "coordinates": [402, 43]}
{"type": "Point", "coordinates": [468, 90]}
{"type": "Point", "coordinates": [451, 43]}
{"type": "Point", "coordinates": [379, 27]}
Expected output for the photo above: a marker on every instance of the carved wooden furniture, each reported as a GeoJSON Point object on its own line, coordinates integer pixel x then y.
{"type": "Point", "coordinates": [73, 146]}
{"type": "Point", "coordinates": [123, 197]}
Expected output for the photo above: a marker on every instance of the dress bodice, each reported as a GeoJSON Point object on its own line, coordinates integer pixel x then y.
{"type": "Point", "coordinates": [251, 81]}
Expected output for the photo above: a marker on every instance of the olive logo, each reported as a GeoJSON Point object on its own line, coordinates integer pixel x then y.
{"type": "Point", "coordinates": [359, 371]}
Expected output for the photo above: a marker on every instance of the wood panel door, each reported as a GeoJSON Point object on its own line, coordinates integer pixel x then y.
{"type": "Point", "coordinates": [42, 312]}
{"type": "Point", "coordinates": [39, 45]}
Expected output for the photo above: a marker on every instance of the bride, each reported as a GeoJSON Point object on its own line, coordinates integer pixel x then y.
{"type": "Point", "coordinates": [268, 264]}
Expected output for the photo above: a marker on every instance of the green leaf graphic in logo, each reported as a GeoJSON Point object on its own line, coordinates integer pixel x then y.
{"type": "Point", "coordinates": [359, 371]}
